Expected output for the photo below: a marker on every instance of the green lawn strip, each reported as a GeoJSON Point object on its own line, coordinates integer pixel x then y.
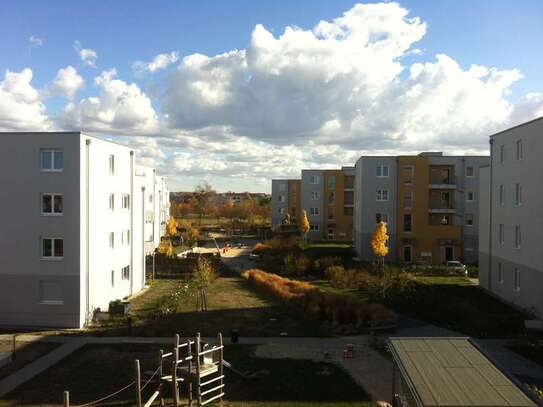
{"type": "Point", "coordinates": [443, 280]}
{"type": "Point", "coordinates": [97, 370]}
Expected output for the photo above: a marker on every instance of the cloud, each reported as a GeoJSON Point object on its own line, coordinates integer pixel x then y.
{"type": "Point", "coordinates": [119, 107]}
{"type": "Point", "coordinates": [21, 107]}
{"type": "Point", "coordinates": [35, 41]}
{"type": "Point", "coordinates": [161, 61]}
{"type": "Point", "coordinates": [87, 55]}
{"type": "Point", "coordinates": [67, 82]}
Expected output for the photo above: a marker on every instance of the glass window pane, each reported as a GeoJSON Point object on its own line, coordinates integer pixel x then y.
{"type": "Point", "coordinates": [59, 160]}
{"type": "Point", "coordinates": [46, 204]}
{"type": "Point", "coordinates": [59, 247]}
{"type": "Point", "coordinates": [46, 160]}
{"type": "Point", "coordinates": [47, 249]}
{"type": "Point", "coordinates": [58, 204]}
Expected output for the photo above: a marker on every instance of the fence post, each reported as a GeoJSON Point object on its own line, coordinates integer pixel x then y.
{"type": "Point", "coordinates": [160, 374]}
{"type": "Point", "coordinates": [198, 388]}
{"type": "Point", "coordinates": [189, 357]}
{"type": "Point", "coordinates": [137, 381]}
{"type": "Point", "coordinates": [174, 371]}
{"type": "Point", "coordinates": [221, 369]}
{"type": "Point", "coordinates": [66, 398]}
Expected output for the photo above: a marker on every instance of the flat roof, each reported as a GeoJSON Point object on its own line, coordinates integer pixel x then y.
{"type": "Point", "coordinates": [517, 126]}
{"type": "Point", "coordinates": [454, 372]}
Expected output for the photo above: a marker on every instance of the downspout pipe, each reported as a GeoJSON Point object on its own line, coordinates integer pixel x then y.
{"type": "Point", "coordinates": [143, 236]}
{"type": "Point", "coordinates": [491, 210]}
{"type": "Point", "coordinates": [87, 231]}
{"type": "Point", "coordinates": [132, 201]}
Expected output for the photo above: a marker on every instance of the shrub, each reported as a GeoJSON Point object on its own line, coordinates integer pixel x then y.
{"type": "Point", "coordinates": [352, 278]}
{"type": "Point", "coordinates": [322, 263]}
{"type": "Point", "coordinates": [296, 264]}
{"type": "Point", "coordinates": [337, 308]}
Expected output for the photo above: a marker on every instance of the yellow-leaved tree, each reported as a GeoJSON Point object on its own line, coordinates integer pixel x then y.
{"type": "Point", "coordinates": [171, 226]}
{"type": "Point", "coordinates": [379, 241]}
{"type": "Point", "coordinates": [304, 224]}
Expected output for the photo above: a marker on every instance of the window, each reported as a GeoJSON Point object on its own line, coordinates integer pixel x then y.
{"type": "Point", "coordinates": [125, 237]}
{"type": "Point", "coordinates": [281, 211]}
{"type": "Point", "coordinates": [501, 194]}
{"type": "Point", "coordinates": [52, 160]}
{"type": "Point", "coordinates": [470, 196]}
{"type": "Point", "coordinates": [348, 211]}
{"type": "Point", "coordinates": [331, 233]}
{"type": "Point", "coordinates": [381, 217]}
{"type": "Point", "coordinates": [282, 198]}
{"type": "Point", "coordinates": [150, 198]}
{"type": "Point", "coordinates": [407, 254]}
{"type": "Point", "coordinates": [517, 279]}
{"type": "Point", "coordinates": [314, 228]}
{"type": "Point", "coordinates": [520, 153]}
{"type": "Point", "coordinates": [331, 213]}
{"type": "Point", "coordinates": [502, 154]}
{"type": "Point", "coordinates": [408, 200]}
{"type": "Point", "coordinates": [331, 182]}
{"type": "Point", "coordinates": [408, 174]}
{"type": "Point", "coordinates": [111, 240]}
{"type": "Point", "coordinates": [470, 172]}
{"type": "Point", "coordinates": [111, 202]}
{"type": "Point", "coordinates": [382, 171]}
{"type": "Point", "coordinates": [314, 195]}
{"type": "Point", "coordinates": [111, 164]}
{"type": "Point", "coordinates": [314, 179]}
{"type": "Point", "coordinates": [125, 273]}
{"type": "Point", "coordinates": [382, 195]}
{"type": "Point", "coordinates": [113, 278]}
{"type": "Point", "coordinates": [50, 292]}
{"type": "Point", "coordinates": [282, 187]}
{"type": "Point", "coordinates": [407, 223]}
{"type": "Point", "coordinates": [126, 201]}
{"type": "Point", "coordinates": [332, 198]}
{"type": "Point", "coordinates": [501, 237]}
{"type": "Point", "coordinates": [52, 248]}
{"type": "Point", "coordinates": [518, 194]}
{"type": "Point", "coordinates": [313, 211]}
{"type": "Point", "coordinates": [500, 273]}
{"type": "Point", "coordinates": [518, 237]}
{"type": "Point", "coordinates": [468, 219]}
{"type": "Point", "coordinates": [52, 204]}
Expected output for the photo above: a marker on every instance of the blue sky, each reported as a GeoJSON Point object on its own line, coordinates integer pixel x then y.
{"type": "Point", "coordinates": [502, 34]}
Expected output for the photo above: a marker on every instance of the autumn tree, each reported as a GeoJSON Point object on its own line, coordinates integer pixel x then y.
{"type": "Point", "coordinates": [201, 199]}
{"type": "Point", "coordinates": [203, 275]}
{"type": "Point", "coordinates": [304, 224]}
{"type": "Point", "coordinates": [379, 246]}
{"type": "Point", "coordinates": [171, 226]}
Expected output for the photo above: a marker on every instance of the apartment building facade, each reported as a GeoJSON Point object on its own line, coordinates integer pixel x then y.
{"type": "Point", "coordinates": [286, 199]}
{"type": "Point", "coordinates": [74, 239]}
{"type": "Point", "coordinates": [430, 204]}
{"type": "Point", "coordinates": [511, 218]}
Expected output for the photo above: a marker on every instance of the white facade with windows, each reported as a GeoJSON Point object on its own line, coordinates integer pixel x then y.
{"type": "Point", "coordinates": [72, 239]}
{"type": "Point", "coordinates": [511, 226]}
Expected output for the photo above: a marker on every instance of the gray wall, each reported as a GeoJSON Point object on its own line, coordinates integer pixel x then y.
{"type": "Point", "coordinates": [307, 202]}
{"type": "Point", "coordinates": [528, 259]}
{"type": "Point", "coordinates": [277, 218]}
{"type": "Point", "coordinates": [23, 226]}
{"type": "Point", "coordinates": [366, 205]}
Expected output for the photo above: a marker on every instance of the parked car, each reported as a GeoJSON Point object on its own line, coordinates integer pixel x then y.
{"type": "Point", "coordinates": [457, 267]}
{"type": "Point", "coordinates": [254, 256]}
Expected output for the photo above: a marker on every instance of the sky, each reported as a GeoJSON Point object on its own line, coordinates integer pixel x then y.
{"type": "Point", "coordinates": [237, 93]}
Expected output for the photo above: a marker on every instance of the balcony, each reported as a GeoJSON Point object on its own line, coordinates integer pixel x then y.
{"type": "Point", "coordinates": [441, 206]}
{"type": "Point", "coordinates": [442, 178]}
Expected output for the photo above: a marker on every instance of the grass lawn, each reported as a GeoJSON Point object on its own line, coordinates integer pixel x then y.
{"type": "Point", "coordinates": [231, 304]}
{"type": "Point", "coordinates": [26, 352]}
{"type": "Point", "coordinates": [443, 280]}
{"type": "Point", "coordinates": [98, 370]}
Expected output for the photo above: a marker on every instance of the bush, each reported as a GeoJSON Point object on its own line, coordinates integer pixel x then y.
{"type": "Point", "coordinates": [296, 264]}
{"type": "Point", "coordinates": [352, 278]}
{"type": "Point", "coordinates": [337, 308]}
{"type": "Point", "coordinates": [473, 272]}
{"type": "Point", "coordinates": [322, 263]}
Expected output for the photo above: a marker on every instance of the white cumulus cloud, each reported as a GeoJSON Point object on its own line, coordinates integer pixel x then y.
{"type": "Point", "coordinates": [161, 61]}
{"type": "Point", "coordinates": [67, 82]}
{"type": "Point", "coordinates": [87, 55]}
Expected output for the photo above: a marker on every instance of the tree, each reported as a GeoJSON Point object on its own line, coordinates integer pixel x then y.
{"type": "Point", "coordinates": [379, 241]}
{"type": "Point", "coordinates": [171, 226]}
{"type": "Point", "coordinates": [304, 224]}
{"type": "Point", "coordinates": [201, 199]}
{"type": "Point", "coordinates": [202, 276]}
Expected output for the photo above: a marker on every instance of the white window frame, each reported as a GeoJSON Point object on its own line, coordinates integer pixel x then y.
{"type": "Point", "coordinates": [314, 227]}
{"type": "Point", "coordinates": [111, 202]}
{"type": "Point", "coordinates": [382, 195]}
{"type": "Point", "coordinates": [518, 237]}
{"type": "Point", "coordinates": [112, 240]}
{"type": "Point", "coordinates": [472, 196]}
{"type": "Point", "coordinates": [282, 198]}
{"type": "Point", "coordinates": [125, 273]}
{"type": "Point", "coordinates": [382, 215]}
{"type": "Point", "coordinates": [52, 195]}
{"type": "Point", "coordinates": [53, 243]}
{"type": "Point", "coordinates": [314, 211]}
{"type": "Point", "coordinates": [518, 194]}
{"type": "Point", "coordinates": [501, 195]}
{"type": "Point", "coordinates": [516, 279]}
{"type": "Point", "coordinates": [502, 154]}
{"type": "Point", "coordinates": [282, 187]}
{"type": "Point", "coordinates": [111, 161]}
{"type": "Point", "coordinates": [314, 179]}
{"type": "Point", "coordinates": [112, 277]}
{"type": "Point", "coordinates": [410, 193]}
{"type": "Point", "coordinates": [411, 223]}
{"type": "Point", "coordinates": [501, 234]}
{"type": "Point", "coordinates": [520, 150]}
{"type": "Point", "coordinates": [281, 211]}
{"type": "Point", "coordinates": [331, 182]}
{"type": "Point", "coordinates": [470, 167]}
{"type": "Point", "coordinates": [314, 195]}
{"type": "Point", "coordinates": [466, 217]}
{"type": "Point", "coordinates": [125, 201]}
{"type": "Point", "coordinates": [49, 302]}
{"type": "Point", "coordinates": [411, 168]}
{"type": "Point", "coordinates": [382, 171]}
{"type": "Point", "coordinates": [51, 151]}
{"type": "Point", "coordinates": [125, 237]}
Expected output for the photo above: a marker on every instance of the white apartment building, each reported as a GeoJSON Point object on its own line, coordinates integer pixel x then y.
{"type": "Point", "coordinates": [511, 217]}
{"type": "Point", "coordinates": [73, 234]}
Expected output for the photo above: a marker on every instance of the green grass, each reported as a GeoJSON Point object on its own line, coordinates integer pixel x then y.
{"type": "Point", "coordinates": [26, 352]}
{"type": "Point", "coordinates": [98, 370]}
{"type": "Point", "coordinates": [231, 304]}
{"type": "Point", "coordinates": [443, 280]}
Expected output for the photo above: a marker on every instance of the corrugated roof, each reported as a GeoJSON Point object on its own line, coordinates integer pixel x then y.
{"type": "Point", "coordinates": [453, 372]}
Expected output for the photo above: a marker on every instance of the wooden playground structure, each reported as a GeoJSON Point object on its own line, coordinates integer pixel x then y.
{"type": "Point", "coordinates": [192, 367]}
